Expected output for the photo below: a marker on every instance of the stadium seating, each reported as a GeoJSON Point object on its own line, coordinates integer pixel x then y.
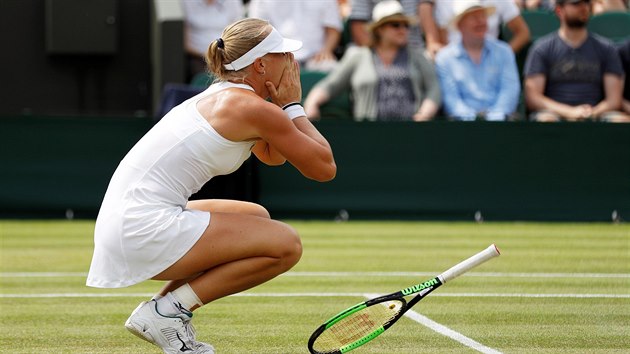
{"type": "Point", "coordinates": [338, 107]}
{"type": "Point", "coordinates": [202, 80]}
{"type": "Point", "coordinates": [612, 25]}
{"type": "Point", "coordinates": [540, 23]}
{"type": "Point", "coordinates": [345, 40]}
{"type": "Point", "coordinates": [174, 94]}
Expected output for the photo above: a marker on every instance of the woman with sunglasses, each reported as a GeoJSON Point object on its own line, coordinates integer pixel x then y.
{"type": "Point", "coordinates": [390, 81]}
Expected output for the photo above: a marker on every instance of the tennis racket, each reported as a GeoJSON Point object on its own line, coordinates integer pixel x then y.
{"type": "Point", "coordinates": [365, 321]}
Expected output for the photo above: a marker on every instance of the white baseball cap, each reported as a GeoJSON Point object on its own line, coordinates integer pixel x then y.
{"type": "Point", "coordinates": [273, 43]}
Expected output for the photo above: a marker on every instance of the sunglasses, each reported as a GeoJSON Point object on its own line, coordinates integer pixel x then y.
{"type": "Point", "coordinates": [398, 25]}
{"type": "Point", "coordinates": [577, 3]}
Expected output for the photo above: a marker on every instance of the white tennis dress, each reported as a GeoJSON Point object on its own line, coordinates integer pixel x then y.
{"type": "Point", "coordinates": [143, 227]}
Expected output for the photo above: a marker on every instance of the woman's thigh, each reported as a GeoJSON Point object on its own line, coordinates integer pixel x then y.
{"type": "Point", "coordinates": [228, 206]}
{"type": "Point", "coordinates": [233, 236]}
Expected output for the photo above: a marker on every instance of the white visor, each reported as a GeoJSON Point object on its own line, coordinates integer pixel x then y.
{"type": "Point", "coordinates": [273, 43]}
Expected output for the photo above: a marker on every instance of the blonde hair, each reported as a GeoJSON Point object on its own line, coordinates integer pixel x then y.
{"type": "Point", "coordinates": [238, 38]}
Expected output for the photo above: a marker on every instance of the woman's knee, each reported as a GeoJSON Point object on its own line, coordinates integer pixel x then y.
{"type": "Point", "coordinates": [290, 248]}
{"type": "Point", "coordinates": [260, 211]}
{"type": "Point", "coordinates": [254, 209]}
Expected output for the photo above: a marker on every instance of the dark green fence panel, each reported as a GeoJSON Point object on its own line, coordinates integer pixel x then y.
{"type": "Point", "coordinates": [435, 170]}
{"type": "Point", "coordinates": [451, 170]}
{"type": "Point", "coordinates": [54, 164]}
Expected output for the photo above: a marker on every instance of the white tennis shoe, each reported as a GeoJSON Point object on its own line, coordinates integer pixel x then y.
{"type": "Point", "coordinates": [172, 334]}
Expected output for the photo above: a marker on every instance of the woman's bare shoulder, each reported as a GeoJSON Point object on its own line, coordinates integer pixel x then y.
{"type": "Point", "coordinates": [237, 114]}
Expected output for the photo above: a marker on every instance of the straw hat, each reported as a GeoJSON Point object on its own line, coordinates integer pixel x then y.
{"type": "Point", "coordinates": [464, 7]}
{"type": "Point", "coordinates": [389, 11]}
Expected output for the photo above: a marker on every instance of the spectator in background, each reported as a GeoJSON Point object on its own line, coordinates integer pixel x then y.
{"type": "Point", "coordinates": [601, 6]}
{"type": "Point", "coordinates": [506, 12]}
{"type": "Point", "coordinates": [317, 24]}
{"type": "Point", "coordinates": [478, 74]}
{"type": "Point", "coordinates": [361, 15]}
{"type": "Point", "coordinates": [572, 74]}
{"type": "Point", "coordinates": [432, 34]}
{"type": "Point", "coordinates": [204, 22]}
{"type": "Point", "coordinates": [389, 79]}
{"type": "Point", "coordinates": [532, 5]}
{"type": "Point", "coordinates": [345, 6]}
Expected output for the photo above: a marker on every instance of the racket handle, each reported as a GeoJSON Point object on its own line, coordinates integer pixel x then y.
{"type": "Point", "coordinates": [470, 263]}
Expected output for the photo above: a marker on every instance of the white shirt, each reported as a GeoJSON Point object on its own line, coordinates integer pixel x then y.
{"type": "Point", "coordinates": [506, 11]}
{"type": "Point", "coordinates": [205, 21]}
{"type": "Point", "coordinates": [304, 20]}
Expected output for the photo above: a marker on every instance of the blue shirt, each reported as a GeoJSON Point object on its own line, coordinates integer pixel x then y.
{"type": "Point", "coordinates": [491, 88]}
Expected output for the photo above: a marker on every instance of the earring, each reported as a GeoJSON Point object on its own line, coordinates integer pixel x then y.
{"type": "Point", "coordinates": [263, 73]}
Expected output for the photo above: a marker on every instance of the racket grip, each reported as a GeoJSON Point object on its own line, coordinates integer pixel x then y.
{"type": "Point", "coordinates": [470, 263]}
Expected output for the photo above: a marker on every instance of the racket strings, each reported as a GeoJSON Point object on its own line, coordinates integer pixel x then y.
{"type": "Point", "coordinates": [356, 326]}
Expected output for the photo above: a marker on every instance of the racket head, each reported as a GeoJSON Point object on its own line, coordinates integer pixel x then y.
{"type": "Point", "coordinates": [357, 325]}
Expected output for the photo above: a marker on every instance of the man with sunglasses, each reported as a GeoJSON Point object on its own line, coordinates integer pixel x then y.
{"type": "Point", "coordinates": [573, 75]}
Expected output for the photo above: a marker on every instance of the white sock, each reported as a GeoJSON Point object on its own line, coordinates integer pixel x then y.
{"type": "Point", "coordinates": [178, 301]}
{"type": "Point", "coordinates": [186, 296]}
{"type": "Point", "coordinates": [156, 297]}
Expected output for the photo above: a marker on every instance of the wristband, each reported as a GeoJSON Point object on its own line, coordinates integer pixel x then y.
{"type": "Point", "coordinates": [294, 110]}
{"type": "Point", "coordinates": [295, 103]}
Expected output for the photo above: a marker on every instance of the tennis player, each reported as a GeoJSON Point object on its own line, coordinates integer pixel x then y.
{"type": "Point", "coordinates": [208, 249]}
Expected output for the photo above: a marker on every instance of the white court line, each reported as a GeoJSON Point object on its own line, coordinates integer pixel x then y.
{"type": "Point", "coordinates": [470, 274]}
{"type": "Point", "coordinates": [42, 274]}
{"type": "Point", "coordinates": [358, 274]}
{"type": "Point", "coordinates": [482, 295]}
{"type": "Point", "coordinates": [441, 329]}
{"type": "Point", "coordinates": [445, 331]}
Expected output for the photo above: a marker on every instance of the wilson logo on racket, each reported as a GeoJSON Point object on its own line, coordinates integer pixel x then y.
{"type": "Point", "coordinates": [416, 288]}
{"type": "Point", "coordinates": [365, 321]}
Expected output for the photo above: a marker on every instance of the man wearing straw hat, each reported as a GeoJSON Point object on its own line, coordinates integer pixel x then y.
{"type": "Point", "coordinates": [478, 74]}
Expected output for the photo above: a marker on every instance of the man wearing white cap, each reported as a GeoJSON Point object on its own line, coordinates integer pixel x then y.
{"type": "Point", "coordinates": [478, 75]}
{"type": "Point", "coordinates": [208, 249]}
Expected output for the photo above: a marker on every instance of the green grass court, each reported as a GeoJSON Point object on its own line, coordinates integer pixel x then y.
{"type": "Point", "coordinates": [557, 288]}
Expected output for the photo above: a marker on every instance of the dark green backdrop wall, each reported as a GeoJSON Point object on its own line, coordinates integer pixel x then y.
{"type": "Point", "coordinates": [451, 170]}
{"type": "Point", "coordinates": [435, 170]}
